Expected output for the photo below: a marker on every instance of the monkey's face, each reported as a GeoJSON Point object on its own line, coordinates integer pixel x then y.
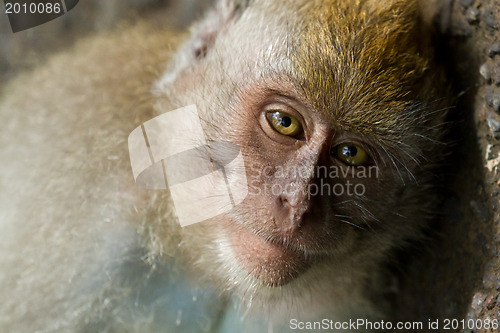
{"type": "Point", "coordinates": [307, 186]}
{"type": "Point", "coordinates": [330, 121]}
{"type": "Point", "coordinates": [317, 191]}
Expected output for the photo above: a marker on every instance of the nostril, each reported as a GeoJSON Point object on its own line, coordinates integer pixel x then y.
{"type": "Point", "coordinates": [286, 203]}
{"type": "Point", "coordinates": [288, 211]}
{"type": "Point", "coordinates": [283, 209]}
{"type": "Point", "coordinates": [283, 201]}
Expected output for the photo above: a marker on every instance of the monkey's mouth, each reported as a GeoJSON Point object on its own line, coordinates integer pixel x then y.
{"type": "Point", "coordinates": [273, 262]}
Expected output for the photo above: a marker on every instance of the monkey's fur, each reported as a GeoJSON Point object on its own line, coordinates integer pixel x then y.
{"type": "Point", "coordinates": [81, 244]}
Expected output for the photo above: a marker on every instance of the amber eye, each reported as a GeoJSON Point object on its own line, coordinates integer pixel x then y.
{"type": "Point", "coordinates": [351, 154]}
{"type": "Point", "coordinates": [284, 123]}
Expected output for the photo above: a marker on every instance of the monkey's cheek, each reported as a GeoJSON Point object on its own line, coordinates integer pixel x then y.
{"type": "Point", "coordinates": [273, 264]}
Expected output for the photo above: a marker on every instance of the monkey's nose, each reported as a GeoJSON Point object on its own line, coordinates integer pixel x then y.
{"type": "Point", "coordinates": [289, 213]}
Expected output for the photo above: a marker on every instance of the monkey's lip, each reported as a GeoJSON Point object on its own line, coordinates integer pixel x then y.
{"type": "Point", "coordinates": [273, 262]}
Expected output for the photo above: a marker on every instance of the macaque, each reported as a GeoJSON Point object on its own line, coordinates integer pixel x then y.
{"type": "Point", "coordinates": [337, 108]}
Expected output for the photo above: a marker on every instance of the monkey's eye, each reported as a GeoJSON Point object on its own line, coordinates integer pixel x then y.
{"type": "Point", "coordinates": [284, 123]}
{"type": "Point", "coordinates": [351, 154]}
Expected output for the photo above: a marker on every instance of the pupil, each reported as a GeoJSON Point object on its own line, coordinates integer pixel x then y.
{"type": "Point", "coordinates": [286, 121]}
{"type": "Point", "coordinates": [350, 151]}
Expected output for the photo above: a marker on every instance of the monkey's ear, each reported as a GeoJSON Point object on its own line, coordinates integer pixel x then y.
{"type": "Point", "coordinates": [204, 34]}
{"type": "Point", "coordinates": [203, 37]}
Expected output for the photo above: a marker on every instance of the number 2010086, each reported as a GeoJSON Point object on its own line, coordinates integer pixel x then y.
{"type": "Point", "coordinates": [471, 324]}
{"type": "Point", "coordinates": [33, 8]}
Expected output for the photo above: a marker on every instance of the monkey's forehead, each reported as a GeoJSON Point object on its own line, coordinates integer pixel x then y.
{"type": "Point", "coordinates": [347, 58]}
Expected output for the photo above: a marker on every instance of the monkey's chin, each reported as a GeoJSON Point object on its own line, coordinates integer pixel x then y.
{"type": "Point", "coordinates": [271, 263]}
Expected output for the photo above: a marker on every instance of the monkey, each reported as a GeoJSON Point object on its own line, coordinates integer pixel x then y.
{"type": "Point", "coordinates": [337, 109]}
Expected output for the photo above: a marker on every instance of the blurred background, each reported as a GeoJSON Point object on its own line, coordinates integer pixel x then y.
{"type": "Point", "coordinates": [27, 48]}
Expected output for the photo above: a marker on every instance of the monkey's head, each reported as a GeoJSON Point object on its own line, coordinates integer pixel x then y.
{"type": "Point", "coordinates": [334, 105]}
